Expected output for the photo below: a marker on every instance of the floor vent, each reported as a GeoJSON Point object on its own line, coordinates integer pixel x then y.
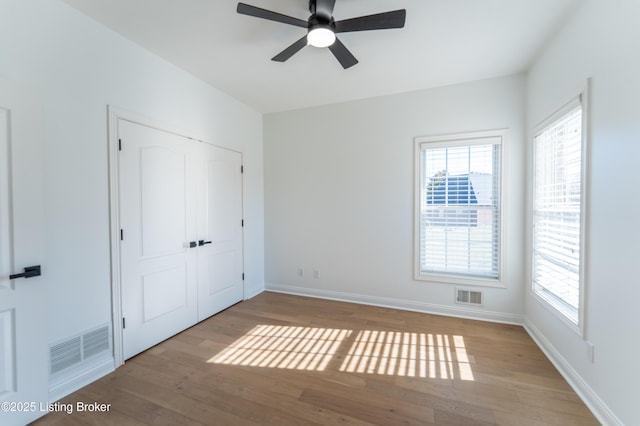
{"type": "Point", "coordinates": [77, 349]}
{"type": "Point", "coordinates": [468, 297]}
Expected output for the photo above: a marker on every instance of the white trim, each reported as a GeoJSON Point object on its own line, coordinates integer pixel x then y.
{"type": "Point", "coordinates": [114, 235]}
{"type": "Point", "coordinates": [561, 101]}
{"type": "Point", "coordinates": [597, 406]}
{"type": "Point", "coordinates": [443, 278]}
{"type": "Point", "coordinates": [558, 113]}
{"type": "Point", "coordinates": [556, 310]}
{"type": "Point", "coordinates": [252, 294]}
{"type": "Point", "coordinates": [585, 203]}
{"type": "Point", "coordinates": [466, 136]}
{"type": "Point", "coordinates": [406, 305]}
{"type": "Point", "coordinates": [472, 138]}
{"type": "Point", "coordinates": [78, 378]}
{"type": "Point", "coordinates": [115, 114]}
{"type": "Point", "coordinates": [584, 206]}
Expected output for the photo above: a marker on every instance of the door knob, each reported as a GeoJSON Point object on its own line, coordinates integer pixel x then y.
{"type": "Point", "coordinates": [203, 242]}
{"type": "Point", "coordinates": [29, 272]}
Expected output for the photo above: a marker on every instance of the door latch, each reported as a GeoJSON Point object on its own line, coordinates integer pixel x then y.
{"type": "Point", "coordinates": [29, 272]}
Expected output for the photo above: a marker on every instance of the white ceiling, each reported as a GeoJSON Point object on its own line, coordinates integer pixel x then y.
{"type": "Point", "coordinates": [444, 42]}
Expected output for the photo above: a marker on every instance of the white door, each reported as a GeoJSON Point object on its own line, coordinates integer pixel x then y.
{"type": "Point", "coordinates": [23, 335]}
{"type": "Point", "coordinates": [220, 259]}
{"type": "Point", "coordinates": [158, 221]}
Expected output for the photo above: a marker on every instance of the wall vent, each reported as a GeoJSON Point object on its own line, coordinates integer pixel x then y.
{"type": "Point", "coordinates": [468, 297]}
{"type": "Point", "coordinates": [95, 342]}
{"type": "Point", "coordinates": [65, 354]}
{"type": "Point", "coordinates": [77, 349]}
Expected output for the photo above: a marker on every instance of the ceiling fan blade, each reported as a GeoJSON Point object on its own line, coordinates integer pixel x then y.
{"type": "Point", "coordinates": [342, 54]}
{"type": "Point", "coordinates": [379, 21]}
{"type": "Point", "coordinates": [247, 9]}
{"type": "Point", "coordinates": [324, 8]}
{"type": "Point", "coordinates": [291, 50]}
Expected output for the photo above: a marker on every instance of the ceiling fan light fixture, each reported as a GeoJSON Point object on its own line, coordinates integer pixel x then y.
{"type": "Point", "coordinates": [321, 37]}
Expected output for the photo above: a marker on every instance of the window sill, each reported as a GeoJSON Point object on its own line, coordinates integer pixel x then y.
{"type": "Point", "coordinates": [459, 280]}
{"type": "Point", "coordinates": [558, 311]}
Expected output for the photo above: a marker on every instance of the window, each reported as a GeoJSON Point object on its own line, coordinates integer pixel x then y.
{"type": "Point", "coordinates": [458, 215]}
{"type": "Point", "coordinates": [558, 185]}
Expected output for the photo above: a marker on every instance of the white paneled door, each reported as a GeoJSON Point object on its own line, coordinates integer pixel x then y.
{"type": "Point", "coordinates": [23, 334]}
{"type": "Point", "coordinates": [220, 260]}
{"type": "Point", "coordinates": [158, 220]}
{"type": "Point", "coordinates": [180, 249]}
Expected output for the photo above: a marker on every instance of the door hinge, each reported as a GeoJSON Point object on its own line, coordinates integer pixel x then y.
{"type": "Point", "coordinates": [243, 276]}
{"type": "Point", "coordinates": [241, 169]}
{"type": "Point", "coordinates": [123, 323]}
{"type": "Point", "coordinates": [119, 144]}
{"type": "Point", "coordinates": [242, 223]}
{"type": "Point", "coordinates": [121, 235]}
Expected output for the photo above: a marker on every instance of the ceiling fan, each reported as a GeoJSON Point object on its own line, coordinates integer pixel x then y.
{"type": "Point", "coordinates": [322, 28]}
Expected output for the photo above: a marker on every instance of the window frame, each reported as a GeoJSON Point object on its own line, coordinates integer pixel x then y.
{"type": "Point", "coordinates": [555, 307]}
{"type": "Point", "coordinates": [451, 140]}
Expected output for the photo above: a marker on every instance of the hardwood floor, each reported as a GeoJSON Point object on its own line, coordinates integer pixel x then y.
{"type": "Point", "coordinates": [286, 360]}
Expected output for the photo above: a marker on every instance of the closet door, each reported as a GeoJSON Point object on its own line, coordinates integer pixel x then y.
{"type": "Point", "coordinates": [158, 201]}
{"type": "Point", "coordinates": [220, 223]}
{"type": "Point", "coordinates": [24, 376]}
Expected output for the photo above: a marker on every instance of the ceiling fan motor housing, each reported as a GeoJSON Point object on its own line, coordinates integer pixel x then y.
{"type": "Point", "coordinates": [316, 21]}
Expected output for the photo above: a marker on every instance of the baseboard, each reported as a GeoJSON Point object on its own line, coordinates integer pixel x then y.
{"type": "Point", "coordinates": [251, 293]}
{"type": "Point", "coordinates": [584, 391]}
{"type": "Point", "coordinates": [65, 383]}
{"type": "Point", "coordinates": [407, 305]}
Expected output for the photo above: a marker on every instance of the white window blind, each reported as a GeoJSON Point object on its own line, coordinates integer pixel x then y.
{"type": "Point", "coordinates": [459, 222]}
{"type": "Point", "coordinates": [557, 201]}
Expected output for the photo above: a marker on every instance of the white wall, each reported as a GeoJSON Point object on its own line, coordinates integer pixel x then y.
{"type": "Point", "coordinates": [602, 41]}
{"type": "Point", "coordinates": [80, 67]}
{"type": "Point", "coordinates": [339, 189]}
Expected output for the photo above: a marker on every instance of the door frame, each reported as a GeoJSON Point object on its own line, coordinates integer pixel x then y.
{"type": "Point", "coordinates": [115, 114]}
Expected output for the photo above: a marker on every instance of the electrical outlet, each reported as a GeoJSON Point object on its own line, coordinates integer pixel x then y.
{"type": "Point", "coordinates": [316, 274]}
{"type": "Point", "coordinates": [300, 272]}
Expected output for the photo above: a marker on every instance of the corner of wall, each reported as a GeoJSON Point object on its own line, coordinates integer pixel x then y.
{"type": "Point", "coordinates": [586, 393]}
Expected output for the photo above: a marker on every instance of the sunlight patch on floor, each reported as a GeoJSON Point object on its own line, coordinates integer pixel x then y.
{"type": "Point", "coordinates": [423, 355]}
{"type": "Point", "coordinates": [296, 348]}
{"type": "Point", "coordinates": [409, 354]}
